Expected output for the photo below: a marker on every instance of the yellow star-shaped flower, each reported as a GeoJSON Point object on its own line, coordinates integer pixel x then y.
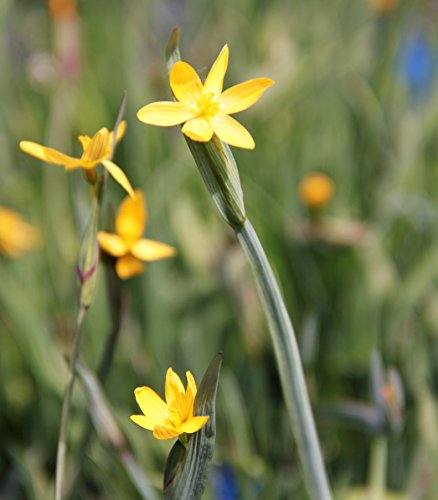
{"type": "Point", "coordinates": [173, 417]}
{"type": "Point", "coordinates": [96, 149]}
{"type": "Point", "coordinates": [127, 244]}
{"type": "Point", "coordinates": [203, 107]}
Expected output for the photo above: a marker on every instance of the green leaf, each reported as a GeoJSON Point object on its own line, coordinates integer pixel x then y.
{"type": "Point", "coordinates": [172, 49]}
{"type": "Point", "coordinates": [186, 472]}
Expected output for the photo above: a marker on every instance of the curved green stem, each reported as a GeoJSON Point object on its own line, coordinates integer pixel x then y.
{"type": "Point", "coordinates": [289, 365]}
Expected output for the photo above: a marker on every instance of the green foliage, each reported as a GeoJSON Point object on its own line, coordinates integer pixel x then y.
{"type": "Point", "coordinates": [366, 281]}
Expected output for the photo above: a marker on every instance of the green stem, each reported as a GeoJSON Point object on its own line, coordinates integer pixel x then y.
{"type": "Point", "coordinates": [115, 299]}
{"type": "Point", "coordinates": [289, 365]}
{"type": "Point", "coordinates": [114, 293]}
{"type": "Point", "coordinates": [66, 407]}
{"type": "Point", "coordinates": [377, 478]}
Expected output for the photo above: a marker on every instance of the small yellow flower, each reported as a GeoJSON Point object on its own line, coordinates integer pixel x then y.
{"type": "Point", "coordinates": [16, 235]}
{"type": "Point", "coordinates": [127, 244]}
{"type": "Point", "coordinates": [203, 107]}
{"type": "Point", "coordinates": [96, 149]}
{"type": "Point", "coordinates": [173, 417]}
{"type": "Point", "coordinates": [316, 189]}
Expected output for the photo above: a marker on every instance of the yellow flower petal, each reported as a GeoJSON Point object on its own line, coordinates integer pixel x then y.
{"type": "Point", "coordinates": [49, 155]}
{"type": "Point", "coordinates": [174, 390]}
{"type": "Point", "coordinates": [191, 384]}
{"type": "Point", "coordinates": [165, 432]}
{"type": "Point", "coordinates": [243, 95]}
{"type": "Point", "coordinates": [131, 217]}
{"type": "Point", "coordinates": [151, 404]}
{"type": "Point", "coordinates": [192, 425]}
{"type": "Point", "coordinates": [120, 131]}
{"type": "Point", "coordinates": [119, 176]}
{"type": "Point", "coordinates": [198, 129]}
{"type": "Point", "coordinates": [149, 250]}
{"type": "Point", "coordinates": [166, 114]}
{"type": "Point", "coordinates": [185, 83]}
{"type": "Point", "coordinates": [85, 141]}
{"type": "Point", "coordinates": [232, 132]}
{"type": "Point", "coordinates": [215, 79]}
{"type": "Point", "coordinates": [112, 243]}
{"type": "Point", "coordinates": [189, 399]}
{"type": "Point", "coordinates": [128, 266]}
{"type": "Point", "coordinates": [98, 148]}
{"type": "Point", "coordinates": [145, 422]}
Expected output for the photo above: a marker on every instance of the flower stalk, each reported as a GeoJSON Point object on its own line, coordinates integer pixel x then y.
{"type": "Point", "coordinates": [87, 272]}
{"type": "Point", "coordinates": [66, 406]}
{"type": "Point", "coordinates": [219, 172]}
{"type": "Point", "coordinates": [289, 365]}
{"type": "Point", "coordinates": [377, 474]}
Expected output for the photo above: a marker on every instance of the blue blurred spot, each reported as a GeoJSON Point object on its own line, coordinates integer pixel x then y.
{"type": "Point", "coordinates": [417, 64]}
{"type": "Point", "coordinates": [225, 484]}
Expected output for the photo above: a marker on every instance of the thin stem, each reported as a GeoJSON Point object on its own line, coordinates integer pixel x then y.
{"type": "Point", "coordinates": [66, 406]}
{"type": "Point", "coordinates": [377, 478]}
{"type": "Point", "coordinates": [289, 365]}
{"type": "Point", "coordinates": [115, 300]}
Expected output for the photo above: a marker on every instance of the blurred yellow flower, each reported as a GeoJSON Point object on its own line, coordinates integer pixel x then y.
{"type": "Point", "coordinates": [203, 107]}
{"type": "Point", "coordinates": [173, 417]}
{"type": "Point", "coordinates": [316, 189]}
{"type": "Point", "coordinates": [96, 149]}
{"type": "Point", "coordinates": [16, 235]}
{"type": "Point", "coordinates": [382, 6]}
{"type": "Point", "coordinates": [127, 244]}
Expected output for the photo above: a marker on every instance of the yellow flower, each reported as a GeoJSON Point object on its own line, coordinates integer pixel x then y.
{"type": "Point", "coordinates": [16, 235]}
{"type": "Point", "coordinates": [127, 244]}
{"type": "Point", "coordinates": [316, 189]}
{"type": "Point", "coordinates": [173, 417]}
{"type": "Point", "coordinates": [96, 149]}
{"type": "Point", "coordinates": [203, 107]}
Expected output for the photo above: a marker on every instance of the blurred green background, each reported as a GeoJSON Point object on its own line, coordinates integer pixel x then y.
{"type": "Point", "coordinates": [355, 97]}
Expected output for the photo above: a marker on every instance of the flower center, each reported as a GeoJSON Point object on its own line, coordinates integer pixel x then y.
{"type": "Point", "coordinates": [207, 106]}
{"type": "Point", "coordinates": [174, 418]}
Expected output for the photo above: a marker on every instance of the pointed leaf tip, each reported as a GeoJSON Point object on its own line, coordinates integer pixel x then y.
{"type": "Point", "coordinates": [172, 49]}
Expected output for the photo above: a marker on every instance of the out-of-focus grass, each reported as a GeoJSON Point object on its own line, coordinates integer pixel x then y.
{"type": "Point", "coordinates": [340, 104]}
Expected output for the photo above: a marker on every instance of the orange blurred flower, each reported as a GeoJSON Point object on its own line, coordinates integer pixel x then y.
{"type": "Point", "coordinates": [383, 6]}
{"type": "Point", "coordinates": [61, 9]}
{"type": "Point", "coordinates": [316, 189]}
